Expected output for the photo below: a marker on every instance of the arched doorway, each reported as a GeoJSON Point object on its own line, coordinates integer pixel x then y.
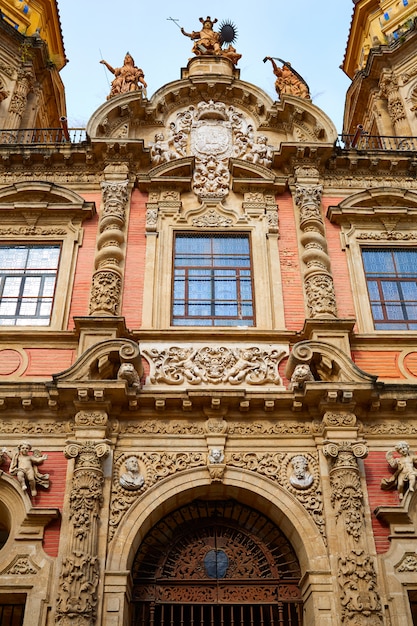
{"type": "Point", "coordinates": [216, 563]}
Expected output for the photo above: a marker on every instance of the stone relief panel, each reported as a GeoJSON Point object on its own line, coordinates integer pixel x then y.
{"type": "Point", "coordinates": [281, 468]}
{"type": "Point", "coordinates": [151, 467]}
{"type": "Point", "coordinates": [214, 365]}
{"type": "Point", "coordinates": [212, 132]}
{"type": "Point", "coordinates": [357, 580]}
{"type": "Point", "coordinates": [297, 473]}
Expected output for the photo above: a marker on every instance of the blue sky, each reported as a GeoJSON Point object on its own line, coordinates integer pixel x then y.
{"type": "Point", "coordinates": [310, 35]}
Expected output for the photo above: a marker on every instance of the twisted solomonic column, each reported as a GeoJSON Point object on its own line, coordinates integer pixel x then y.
{"type": "Point", "coordinates": [106, 286]}
{"type": "Point", "coordinates": [318, 281]}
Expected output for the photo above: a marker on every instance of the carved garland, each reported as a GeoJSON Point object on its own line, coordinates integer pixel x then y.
{"type": "Point", "coordinates": [361, 605]}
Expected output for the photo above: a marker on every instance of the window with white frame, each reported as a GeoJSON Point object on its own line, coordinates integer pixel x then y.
{"type": "Point", "coordinates": [391, 278]}
{"type": "Point", "coordinates": [212, 282]}
{"type": "Point", "coordinates": [28, 276]}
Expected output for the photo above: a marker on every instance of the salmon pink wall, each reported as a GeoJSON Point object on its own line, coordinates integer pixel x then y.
{"type": "Point", "coordinates": [135, 261]}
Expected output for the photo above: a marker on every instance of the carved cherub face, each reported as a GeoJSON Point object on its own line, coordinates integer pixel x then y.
{"type": "Point", "coordinates": [25, 448]}
{"type": "Point", "coordinates": [403, 448]}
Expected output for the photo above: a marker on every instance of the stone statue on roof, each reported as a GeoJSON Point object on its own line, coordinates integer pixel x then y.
{"type": "Point", "coordinates": [288, 81]}
{"type": "Point", "coordinates": [209, 42]}
{"type": "Point", "coordinates": [127, 78]}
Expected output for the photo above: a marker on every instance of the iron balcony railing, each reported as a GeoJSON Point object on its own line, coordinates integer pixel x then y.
{"type": "Point", "coordinates": [42, 136]}
{"type": "Point", "coordinates": [362, 141]}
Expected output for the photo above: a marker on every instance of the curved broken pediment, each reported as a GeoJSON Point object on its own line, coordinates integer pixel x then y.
{"type": "Point", "coordinates": [41, 194]}
{"type": "Point", "coordinates": [379, 201]}
{"type": "Point", "coordinates": [327, 363]}
{"type": "Point", "coordinates": [102, 362]}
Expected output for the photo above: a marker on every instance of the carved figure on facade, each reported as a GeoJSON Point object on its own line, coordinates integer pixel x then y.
{"type": "Point", "coordinates": [209, 42]}
{"type": "Point", "coordinates": [215, 365]}
{"type": "Point", "coordinates": [360, 602]}
{"type": "Point", "coordinates": [152, 467]}
{"type": "Point", "coordinates": [346, 489]}
{"type": "Point", "coordinates": [300, 478]}
{"type": "Point", "coordinates": [128, 373]}
{"type": "Point", "coordinates": [216, 456]}
{"type": "Point", "coordinates": [288, 81]}
{"type": "Point", "coordinates": [211, 178]}
{"type": "Point", "coordinates": [24, 465]}
{"type": "Point", "coordinates": [4, 93]}
{"type": "Point", "coordinates": [260, 152]}
{"type": "Point", "coordinates": [405, 470]}
{"type": "Point", "coordinates": [206, 41]}
{"type": "Point", "coordinates": [161, 151]}
{"type": "Point", "coordinates": [132, 479]}
{"type": "Point", "coordinates": [127, 78]}
{"type": "Point", "coordinates": [301, 375]}
{"type": "Point", "coordinates": [278, 468]}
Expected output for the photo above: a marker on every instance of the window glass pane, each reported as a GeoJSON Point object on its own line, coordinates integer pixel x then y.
{"type": "Point", "coordinates": [28, 277]}
{"type": "Point", "coordinates": [391, 276]}
{"type": "Point", "coordinates": [212, 278]}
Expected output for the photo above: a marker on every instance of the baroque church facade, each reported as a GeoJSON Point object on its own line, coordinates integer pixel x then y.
{"type": "Point", "coordinates": [208, 339]}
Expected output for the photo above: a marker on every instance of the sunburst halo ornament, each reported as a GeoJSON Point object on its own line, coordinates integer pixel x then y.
{"type": "Point", "coordinates": [228, 32]}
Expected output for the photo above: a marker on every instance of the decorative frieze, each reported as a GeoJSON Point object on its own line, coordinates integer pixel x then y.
{"type": "Point", "coordinates": [78, 582]}
{"type": "Point", "coordinates": [214, 365]}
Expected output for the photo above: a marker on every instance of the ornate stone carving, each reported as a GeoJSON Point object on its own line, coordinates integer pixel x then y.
{"type": "Point", "coordinates": [21, 566]}
{"type": "Point", "coordinates": [128, 373]}
{"type": "Point", "coordinates": [321, 298]}
{"type": "Point", "coordinates": [212, 219]}
{"type": "Point", "coordinates": [30, 428]}
{"type": "Point", "coordinates": [346, 489]}
{"type": "Point", "coordinates": [132, 479]}
{"type": "Point", "coordinates": [408, 563]}
{"type": "Point", "coordinates": [161, 150]}
{"type": "Point", "coordinates": [300, 477]}
{"type": "Point", "coordinates": [216, 426]}
{"type": "Point", "coordinates": [153, 467]}
{"type": "Point", "coordinates": [339, 418]}
{"type": "Point", "coordinates": [105, 293]}
{"type": "Point", "coordinates": [300, 376]}
{"type": "Point", "coordinates": [91, 418]}
{"type": "Point", "coordinates": [106, 282]}
{"type": "Point", "coordinates": [115, 197]}
{"type": "Point", "coordinates": [361, 605]}
{"type": "Point", "coordinates": [390, 89]}
{"type": "Point", "coordinates": [390, 428]}
{"type": "Point", "coordinates": [80, 572]}
{"type": "Point", "coordinates": [24, 466]}
{"type": "Point", "coordinates": [161, 427]}
{"type": "Point", "coordinates": [278, 467]}
{"type": "Point", "coordinates": [216, 456]}
{"type": "Point", "coordinates": [318, 282]}
{"type": "Point", "coordinates": [214, 365]}
{"type": "Point", "coordinates": [268, 428]}
{"type": "Point", "coordinates": [405, 470]}
{"type": "Point", "coordinates": [211, 178]}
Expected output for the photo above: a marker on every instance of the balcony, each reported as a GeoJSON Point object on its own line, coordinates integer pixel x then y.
{"type": "Point", "coordinates": [42, 136]}
{"type": "Point", "coordinates": [362, 141]}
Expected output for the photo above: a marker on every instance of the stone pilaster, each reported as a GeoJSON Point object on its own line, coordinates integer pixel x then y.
{"type": "Point", "coordinates": [106, 289]}
{"type": "Point", "coordinates": [18, 101]}
{"type": "Point", "coordinates": [390, 90]}
{"type": "Point", "coordinates": [354, 565]}
{"type": "Point", "coordinates": [318, 281]}
{"type": "Point", "coordinates": [77, 602]}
